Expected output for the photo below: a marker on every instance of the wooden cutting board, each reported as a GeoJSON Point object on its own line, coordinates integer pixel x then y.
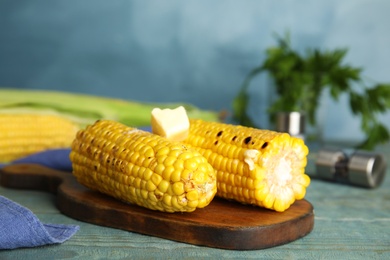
{"type": "Point", "coordinates": [222, 224]}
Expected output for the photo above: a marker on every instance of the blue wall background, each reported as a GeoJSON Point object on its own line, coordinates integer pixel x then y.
{"type": "Point", "coordinates": [194, 51]}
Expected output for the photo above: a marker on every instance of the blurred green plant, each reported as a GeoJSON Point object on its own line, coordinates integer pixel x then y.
{"type": "Point", "coordinates": [299, 81]}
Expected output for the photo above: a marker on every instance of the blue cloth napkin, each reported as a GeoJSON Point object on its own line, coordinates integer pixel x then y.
{"type": "Point", "coordinates": [56, 159]}
{"type": "Point", "coordinates": [19, 227]}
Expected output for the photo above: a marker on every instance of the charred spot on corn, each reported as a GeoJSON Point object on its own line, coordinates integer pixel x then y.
{"type": "Point", "coordinates": [247, 140]}
{"type": "Point", "coordinates": [265, 144]}
{"type": "Point", "coordinates": [142, 168]}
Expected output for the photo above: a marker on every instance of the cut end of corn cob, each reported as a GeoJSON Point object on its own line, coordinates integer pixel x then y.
{"type": "Point", "coordinates": [172, 124]}
{"type": "Point", "coordinates": [258, 167]}
{"type": "Point", "coordinates": [24, 134]}
{"type": "Point", "coordinates": [141, 168]}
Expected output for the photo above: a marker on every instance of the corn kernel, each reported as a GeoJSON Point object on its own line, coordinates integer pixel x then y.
{"type": "Point", "coordinates": [178, 188]}
{"type": "Point", "coordinates": [137, 183]}
{"type": "Point", "coordinates": [163, 186]}
{"type": "Point", "coordinates": [150, 186]}
{"type": "Point", "coordinates": [179, 165]}
{"type": "Point", "coordinates": [199, 177]}
{"type": "Point", "coordinates": [160, 169]}
{"type": "Point", "coordinates": [167, 199]}
{"type": "Point", "coordinates": [185, 156]}
{"type": "Point", "coordinates": [152, 198]}
{"type": "Point", "coordinates": [182, 200]}
{"type": "Point", "coordinates": [147, 174]}
{"type": "Point", "coordinates": [193, 203]}
{"type": "Point", "coordinates": [175, 152]}
{"type": "Point", "coordinates": [156, 178]}
{"type": "Point", "coordinates": [176, 176]}
{"type": "Point", "coordinates": [191, 164]}
{"type": "Point", "coordinates": [170, 160]}
{"type": "Point", "coordinates": [175, 203]}
{"type": "Point", "coordinates": [186, 175]}
{"type": "Point", "coordinates": [192, 195]}
{"type": "Point", "coordinates": [168, 172]}
{"type": "Point", "coordinates": [144, 194]}
{"type": "Point", "coordinates": [269, 200]}
{"type": "Point", "coordinates": [162, 152]}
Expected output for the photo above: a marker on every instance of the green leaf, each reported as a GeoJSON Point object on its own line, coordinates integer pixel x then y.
{"type": "Point", "coordinates": [376, 103]}
{"type": "Point", "coordinates": [379, 95]}
{"type": "Point", "coordinates": [376, 134]}
{"type": "Point", "coordinates": [300, 80]}
{"type": "Point", "coordinates": [383, 90]}
{"type": "Point", "coordinates": [356, 103]}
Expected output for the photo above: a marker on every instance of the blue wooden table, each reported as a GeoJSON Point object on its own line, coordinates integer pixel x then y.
{"type": "Point", "coordinates": [350, 223]}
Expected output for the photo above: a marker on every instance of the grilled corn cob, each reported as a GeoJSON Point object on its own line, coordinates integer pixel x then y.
{"type": "Point", "coordinates": [142, 168]}
{"type": "Point", "coordinates": [25, 134]}
{"type": "Point", "coordinates": [253, 166]}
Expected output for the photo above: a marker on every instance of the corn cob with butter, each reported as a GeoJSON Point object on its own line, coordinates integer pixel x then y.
{"type": "Point", "coordinates": [25, 134]}
{"type": "Point", "coordinates": [259, 167]}
{"type": "Point", "coordinates": [253, 166]}
{"type": "Point", "coordinates": [142, 168]}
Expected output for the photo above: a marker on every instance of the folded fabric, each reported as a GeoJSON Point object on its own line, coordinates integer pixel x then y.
{"type": "Point", "coordinates": [55, 159]}
{"type": "Point", "coordinates": [19, 227]}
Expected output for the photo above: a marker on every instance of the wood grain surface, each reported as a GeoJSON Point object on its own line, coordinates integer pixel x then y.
{"type": "Point", "coordinates": [222, 224]}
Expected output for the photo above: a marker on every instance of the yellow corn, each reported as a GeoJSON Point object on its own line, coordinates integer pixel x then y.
{"type": "Point", "coordinates": [253, 166]}
{"type": "Point", "coordinates": [142, 168]}
{"type": "Point", "coordinates": [25, 134]}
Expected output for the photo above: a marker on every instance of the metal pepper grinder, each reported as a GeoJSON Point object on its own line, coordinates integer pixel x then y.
{"type": "Point", "coordinates": [360, 168]}
{"type": "Point", "coordinates": [292, 123]}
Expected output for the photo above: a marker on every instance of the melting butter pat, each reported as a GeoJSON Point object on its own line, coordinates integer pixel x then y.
{"type": "Point", "coordinates": [172, 124]}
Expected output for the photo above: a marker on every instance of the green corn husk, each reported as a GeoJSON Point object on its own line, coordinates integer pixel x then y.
{"type": "Point", "coordinates": [86, 109]}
